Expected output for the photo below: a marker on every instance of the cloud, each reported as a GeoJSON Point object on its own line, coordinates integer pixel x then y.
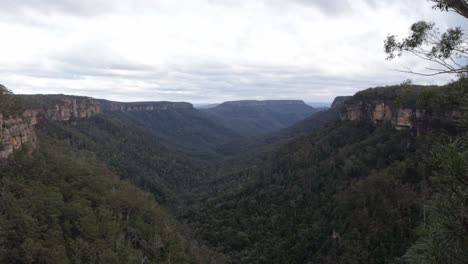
{"type": "Point", "coordinates": [204, 50]}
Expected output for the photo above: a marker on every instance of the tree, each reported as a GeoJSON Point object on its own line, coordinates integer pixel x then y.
{"type": "Point", "coordinates": [447, 52]}
{"type": "Point", "coordinates": [443, 234]}
{"type": "Point", "coordinates": [459, 6]}
{"type": "Point", "coordinates": [9, 103]}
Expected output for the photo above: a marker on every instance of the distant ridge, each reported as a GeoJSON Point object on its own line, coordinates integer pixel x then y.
{"type": "Point", "coordinates": [254, 117]}
{"type": "Point", "coordinates": [263, 102]}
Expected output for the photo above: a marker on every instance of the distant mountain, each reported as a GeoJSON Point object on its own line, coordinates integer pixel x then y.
{"type": "Point", "coordinates": [188, 130]}
{"type": "Point", "coordinates": [250, 117]}
{"type": "Point", "coordinates": [205, 106]}
{"type": "Point", "coordinates": [319, 104]}
{"type": "Point", "coordinates": [353, 190]}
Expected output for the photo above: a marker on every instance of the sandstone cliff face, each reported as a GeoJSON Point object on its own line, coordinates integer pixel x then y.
{"type": "Point", "coordinates": [109, 106]}
{"type": "Point", "coordinates": [18, 131]}
{"type": "Point", "coordinates": [14, 133]}
{"type": "Point", "coordinates": [66, 110]}
{"type": "Point", "coordinates": [380, 112]}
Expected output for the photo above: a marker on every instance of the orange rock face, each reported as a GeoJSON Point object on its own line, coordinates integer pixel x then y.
{"type": "Point", "coordinates": [14, 133]}
{"type": "Point", "coordinates": [381, 113]}
{"type": "Point", "coordinates": [404, 118]}
{"type": "Point", "coordinates": [18, 131]}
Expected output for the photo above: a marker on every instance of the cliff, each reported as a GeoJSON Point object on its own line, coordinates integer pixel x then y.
{"type": "Point", "coordinates": [16, 131]}
{"type": "Point", "coordinates": [339, 102]}
{"type": "Point", "coordinates": [66, 108]}
{"type": "Point", "coordinates": [110, 106]}
{"type": "Point", "coordinates": [408, 107]}
{"type": "Point", "coordinates": [379, 112]}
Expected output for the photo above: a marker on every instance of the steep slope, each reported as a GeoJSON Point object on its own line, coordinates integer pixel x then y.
{"type": "Point", "coordinates": [251, 118]}
{"type": "Point", "coordinates": [353, 191]}
{"type": "Point", "coordinates": [188, 130]}
{"type": "Point", "coordinates": [69, 198]}
{"type": "Point", "coordinates": [64, 206]}
{"type": "Point", "coordinates": [132, 153]}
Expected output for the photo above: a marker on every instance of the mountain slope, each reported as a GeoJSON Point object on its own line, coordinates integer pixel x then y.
{"type": "Point", "coordinates": [350, 192]}
{"type": "Point", "coordinates": [188, 130]}
{"type": "Point", "coordinates": [251, 118]}
{"type": "Point", "coordinates": [66, 191]}
{"type": "Point", "coordinates": [60, 205]}
{"type": "Point", "coordinates": [131, 152]}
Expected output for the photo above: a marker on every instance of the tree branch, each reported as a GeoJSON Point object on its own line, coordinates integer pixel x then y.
{"type": "Point", "coordinates": [460, 6]}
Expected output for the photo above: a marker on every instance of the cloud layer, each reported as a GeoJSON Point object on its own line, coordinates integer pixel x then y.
{"type": "Point", "coordinates": [205, 50]}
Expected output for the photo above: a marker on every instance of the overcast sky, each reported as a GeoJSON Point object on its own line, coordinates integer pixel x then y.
{"type": "Point", "coordinates": [206, 50]}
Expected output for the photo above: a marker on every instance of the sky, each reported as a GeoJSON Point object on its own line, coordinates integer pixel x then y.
{"type": "Point", "coordinates": [207, 51]}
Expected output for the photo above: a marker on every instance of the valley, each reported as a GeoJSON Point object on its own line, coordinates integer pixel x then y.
{"type": "Point", "coordinates": [124, 182]}
{"type": "Point", "coordinates": [234, 132]}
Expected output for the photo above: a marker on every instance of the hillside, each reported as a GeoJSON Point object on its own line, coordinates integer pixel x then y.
{"type": "Point", "coordinates": [117, 182]}
{"type": "Point", "coordinates": [251, 118]}
{"type": "Point", "coordinates": [64, 199]}
{"type": "Point", "coordinates": [353, 191]}
{"type": "Point", "coordinates": [188, 130]}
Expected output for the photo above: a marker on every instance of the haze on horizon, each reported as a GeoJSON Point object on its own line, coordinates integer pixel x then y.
{"type": "Point", "coordinates": [207, 51]}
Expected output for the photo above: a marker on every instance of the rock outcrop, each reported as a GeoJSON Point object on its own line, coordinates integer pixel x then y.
{"type": "Point", "coordinates": [17, 131]}
{"type": "Point", "coordinates": [14, 133]}
{"type": "Point", "coordinates": [109, 106]}
{"type": "Point", "coordinates": [339, 102]}
{"type": "Point", "coordinates": [379, 112]}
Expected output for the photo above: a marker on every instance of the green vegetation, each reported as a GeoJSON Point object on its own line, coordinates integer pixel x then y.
{"type": "Point", "coordinates": [9, 104]}
{"type": "Point", "coordinates": [443, 235]}
{"type": "Point", "coordinates": [65, 206]}
{"type": "Point", "coordinates": [253, 118]}
{"type": "Point", "coordinates": [41, 101]}
{"type": "Point", "coordinates": [321, 191]}
{"type": "Point", "coordinates": [132, 153]}
{"type": "Point", "coordinates": [429, 98]}
{"type": "Point", "coordinates": [187, 130]}
{"type": "Point", "coordinates": [345, 193]}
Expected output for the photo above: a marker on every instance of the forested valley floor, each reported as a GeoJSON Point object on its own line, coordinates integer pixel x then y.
{"type": "Point", "coordinates": [176, 186]}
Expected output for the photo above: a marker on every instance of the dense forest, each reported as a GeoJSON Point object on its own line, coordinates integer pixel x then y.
{"type": "Point", "coordinates": [73, 198]}
{"type": "Point", "coordinates": [348, 192]}
{"type": "Point", "coordinates": [175, 186]}
{"type": "Point", "coordinates": [379, 177]}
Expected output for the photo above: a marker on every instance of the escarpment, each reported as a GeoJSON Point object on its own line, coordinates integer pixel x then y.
{"type": "Point", "coordinates": [17, 131]}
{"type": "Point", "coordinates": [379, 112]}
{"type": "Point", "coordinates": [14, 133]}
{"type": "Point", "coordinates": [421, 108]}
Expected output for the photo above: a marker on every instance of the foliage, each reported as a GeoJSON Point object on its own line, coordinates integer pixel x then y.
{"type": "Point", "coordinates": [64, 206]}
{"type": "Point", "coordinates": [459, 6]}
{"type": "Point", "coordinates": [344, 193]}
{"type": "Point", "coordinates": [429, 98]}
{"type": "Point", "coordinates": [361, 184]}
{"type": "Point", "coordinates": [187, 130]}
{"type": "Point", "coordinates": [323, 191]}
{"type": "Point", "coordinates": [255, 120]}
{"type": "Point", "coordinates": [443, 235]}
{"type": "Point", "coordinates": [41, 101]}
{"type": "Point", "coordinates": [9, 103]}
{"type": "Point", "coordinates": [447, 51]}
{"type": "Point", "coordinates": [131, 152]}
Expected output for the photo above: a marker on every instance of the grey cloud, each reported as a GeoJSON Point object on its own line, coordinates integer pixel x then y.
{"type": "Point", "coordinates": [71, 7]}
{"type": "Point", "coordinates": [196, 80]}
{"type": "Point", "coordinates": [330, 7]}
